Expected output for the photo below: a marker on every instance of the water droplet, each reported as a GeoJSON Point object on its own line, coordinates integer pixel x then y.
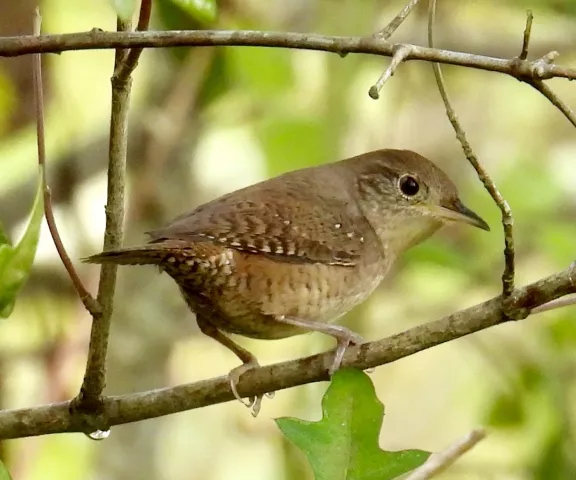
{"type": "Point", "coordinates": [99, 434]}
{"type": "Point", "coordinates": [370, 370]}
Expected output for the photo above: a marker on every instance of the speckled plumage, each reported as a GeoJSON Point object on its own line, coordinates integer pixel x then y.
{"type": "Point", "coordinates": [298, 251]}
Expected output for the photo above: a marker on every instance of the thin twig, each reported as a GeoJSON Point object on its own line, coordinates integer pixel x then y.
{"type": "Point", "coordinates": [555, 304]}
{"type": "Point", "coordinates": [89, 302]}
{"type": "Point", "coordinates": [539, 67]}
{"type": "Point", "coordinates": [96, 40]}
{"type": "Point", "coordinates": [60, 417]}
{"type": "Point", "coordinates": [527, 33]}
{"type": "Point", "coordinates": [439, 462]}
{"type": "Point", "coordinates": [131, 62]}
{"type": "Point", "coordinates": [399, 56]}
{"type": "Point", "coordinates": [89, 400]}
{"type": "Point", "coordinates": [389, 29]}
{"type": "Point", "coordinates": [507, 220]}
{"type": "Point", "coordinates": [554, 99]}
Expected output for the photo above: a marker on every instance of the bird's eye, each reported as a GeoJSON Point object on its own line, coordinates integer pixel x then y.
{"type": "Point", "coordinates": [409, 186]}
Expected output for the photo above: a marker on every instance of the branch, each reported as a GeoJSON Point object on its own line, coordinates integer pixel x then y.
{"type": "Point", "coordinates": [526, 37]}
{"type": "Point", "coordinates": [507, 219]}
{"type": "Point", "coordinates": [552, 97]}
{"type": "Point", "coordinates": [541, 65]}
{"type": "Point", "coordinates": [401, 53]}
{"type": "Point", "coordinates": [555, 304]}
{"type": "Point", "coordinates": [96, 40]}
{"type": "Point", "coordinates": [131, 62]}
{"type": "Point", "coordinates": [389, 29]}
{"type": "Point", "coordinates": [117, 410]}
{"type": "Point", "coordinates": [89, 302]}
{"type": "Point", "coordinates": [439, 462]}
{"type": "Point", "coordinates": [89, 400]}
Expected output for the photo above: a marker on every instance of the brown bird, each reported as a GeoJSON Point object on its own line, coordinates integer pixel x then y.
{"type": "Point", "coordinates": [294, 253]}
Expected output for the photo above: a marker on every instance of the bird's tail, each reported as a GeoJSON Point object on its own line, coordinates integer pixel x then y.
{"type": "Point", "coordinates": [151, 254]}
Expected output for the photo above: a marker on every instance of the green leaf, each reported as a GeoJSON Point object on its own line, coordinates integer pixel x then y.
{"type": "Point", "coordinates": [124, 8]}
{"type": "Point", "coordinates": [344, 444]}
{"type": "Point", "coordinates": [4, 475]}
{"type": "Point", "coordinates": [16, 262]}
{"type": "Point", "coordinates": [201, 10]}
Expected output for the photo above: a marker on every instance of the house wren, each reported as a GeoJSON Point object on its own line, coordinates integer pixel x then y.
{"type": "Point", "coordinates": [294, 253]}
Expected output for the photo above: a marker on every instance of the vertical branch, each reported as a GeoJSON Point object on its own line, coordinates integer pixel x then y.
{"type": "Point", "coordinates": [124, 69]}
{"type": "Point", "coordinates": [526, 36]}
{"type": "Point", "coordinates": [507, 220]}
{"type": "Point", "coordinates": [89, 302]}
{"type": "Point", "coordinates": [90, 397]}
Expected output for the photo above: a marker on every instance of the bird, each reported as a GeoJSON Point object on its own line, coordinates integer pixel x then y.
{"type": "Point", "coordinates": [294, 253]}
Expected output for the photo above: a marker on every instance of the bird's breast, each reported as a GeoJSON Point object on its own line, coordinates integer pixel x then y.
{"type": "Point", "coordinates": [244, 292]}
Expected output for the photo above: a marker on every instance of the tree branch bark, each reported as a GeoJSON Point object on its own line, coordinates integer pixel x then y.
{"type": "Point", "coordinates": [97, 39]}
{"type": "Point", "coordinates": [89, 400]}
{"type": "Point", "coordinates": [117, 410]}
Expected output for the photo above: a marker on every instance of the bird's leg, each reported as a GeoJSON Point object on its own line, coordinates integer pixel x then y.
{"type": "Point", "coordinates": [343, 335]}
{"type": "Point", "coordinates": [249, 362]}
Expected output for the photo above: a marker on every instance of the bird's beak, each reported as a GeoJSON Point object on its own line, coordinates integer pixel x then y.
{"type": "Point", "coordinates": [456, 211]}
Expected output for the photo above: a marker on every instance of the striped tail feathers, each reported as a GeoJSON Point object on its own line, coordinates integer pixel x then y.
{"type": "Point", "coordinates": [150, 254]}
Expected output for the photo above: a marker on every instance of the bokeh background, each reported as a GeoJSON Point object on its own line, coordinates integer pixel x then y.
{"type": "Point", "coordinates": [207, 121]}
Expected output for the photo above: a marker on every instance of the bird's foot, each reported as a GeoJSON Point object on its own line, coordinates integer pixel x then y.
{"type": "Point", "coordinates": [343, 335]}
{"type": "Point", "coordinates": [253, 403]}
{"type": "Point", "coordinates": [345, 338]}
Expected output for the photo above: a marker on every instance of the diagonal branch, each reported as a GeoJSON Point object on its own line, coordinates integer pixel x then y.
{"type": "Point", "coordinates": [89, 400]}
{"type": "Point", "coordinates": [555, 304]}
{"type": "Point", "coordinates": [59, 418]}
{"type": "Point", "coordinates": [554, 100]}
{"type": "Point", "coordinates": [439, 462]}
{"type": "Point", "coordinates": [389, 29]}
{"type": "Point", "coordinates": [539, 66]}
{"type": "Point", "coordinates": [507, 220]}
{"type": "Point", "coordinates": [401, 53]}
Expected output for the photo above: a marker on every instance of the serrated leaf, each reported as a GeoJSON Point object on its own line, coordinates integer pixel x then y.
{"type": "Point", "coordinates": [201, 10]}
{"type": "Point", "coordinates": [16, 262]}
{"type": "Point", "coordinates": [344, 444]}
{"type": "Point", "coordinates": [4, 474]}
{"type": "Point", "coordinates": [124, 8]}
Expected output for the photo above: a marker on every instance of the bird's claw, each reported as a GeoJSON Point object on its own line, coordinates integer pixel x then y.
{"type": "Point", "coordinates": [344, 341]}
{"type": "Point", "coordinates": [253, 403]}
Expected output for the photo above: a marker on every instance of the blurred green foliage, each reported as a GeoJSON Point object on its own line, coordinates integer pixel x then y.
{"type": "Point", "coordinates": [4, 474]}
{"type": "Point", "coordinates": [202, 10]}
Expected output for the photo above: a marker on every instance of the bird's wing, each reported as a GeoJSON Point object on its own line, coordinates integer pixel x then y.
{"type": "Point", "coordinates": [289, 225]}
